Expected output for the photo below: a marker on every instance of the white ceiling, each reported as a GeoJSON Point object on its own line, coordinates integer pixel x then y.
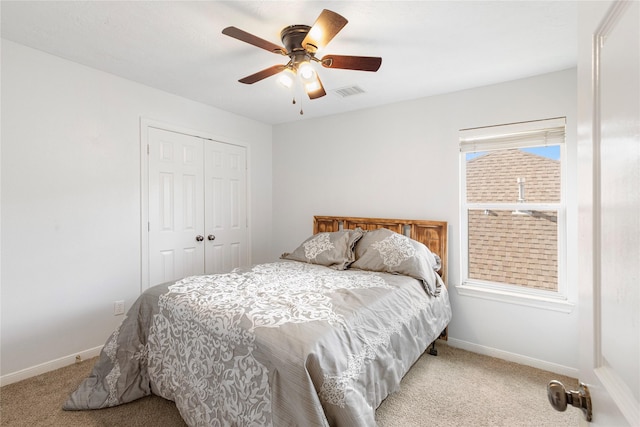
{"type": "Point", "coordinates": [427, 47]}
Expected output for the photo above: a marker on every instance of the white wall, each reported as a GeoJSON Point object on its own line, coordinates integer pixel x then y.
{"type": "Point", "coordinates": [401, 161]}
{"type": "Point", "coordinates": [71, 200]}
{"type": "Point", "coordinates": [71, 197]}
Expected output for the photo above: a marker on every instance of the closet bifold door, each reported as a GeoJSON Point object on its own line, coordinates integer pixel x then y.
{"type": "Point", "coordinates": [197, 206]}
{"type": "Point", "coordinates": [176, 206]}
{"type": "Point", "coordinates": [225, 171]}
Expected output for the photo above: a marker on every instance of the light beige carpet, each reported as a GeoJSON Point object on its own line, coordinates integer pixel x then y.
{"type": "Point", "coordinates": [456, 388]}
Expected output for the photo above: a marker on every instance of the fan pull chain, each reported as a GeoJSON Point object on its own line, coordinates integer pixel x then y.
{"type": "Point", "coordinates": [293, 101]}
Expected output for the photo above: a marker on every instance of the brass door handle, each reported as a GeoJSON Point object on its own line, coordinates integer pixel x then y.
{"type": "Point", "coordinates": [559, 398]}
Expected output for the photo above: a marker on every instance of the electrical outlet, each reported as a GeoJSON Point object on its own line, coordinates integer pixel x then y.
{"type": "Point", "coordinates": [118, 308]}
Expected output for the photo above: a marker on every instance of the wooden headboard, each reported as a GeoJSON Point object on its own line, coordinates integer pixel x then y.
{"type": "Point", "coordinates": [431, 233]}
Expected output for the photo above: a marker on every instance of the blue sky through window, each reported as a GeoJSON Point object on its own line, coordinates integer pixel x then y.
{"type": "Point", "coordinates": [552, 152]}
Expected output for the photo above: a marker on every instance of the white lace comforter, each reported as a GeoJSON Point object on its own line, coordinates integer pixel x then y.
{"type": "Point", "coordinates": [280, 344]}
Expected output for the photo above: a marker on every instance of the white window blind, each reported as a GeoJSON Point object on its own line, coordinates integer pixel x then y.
{"type": "Point", "coordinates": [515, 135]}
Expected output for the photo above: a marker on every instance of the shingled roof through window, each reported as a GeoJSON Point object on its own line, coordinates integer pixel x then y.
{"type": "Point", "coordinates": [503, 246]}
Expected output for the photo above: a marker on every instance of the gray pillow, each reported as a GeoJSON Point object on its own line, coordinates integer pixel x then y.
{"type": "Point", "coordinates": [385, 251]}
{"type": "Point", "coordinates": [331, 249]}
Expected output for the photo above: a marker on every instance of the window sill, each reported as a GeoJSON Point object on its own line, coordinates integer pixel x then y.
{"type": "Point", "coordinates": [553, 303]}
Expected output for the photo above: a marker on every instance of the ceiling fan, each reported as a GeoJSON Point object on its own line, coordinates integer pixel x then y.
{"type": "Point", "coordinates": [301, 43]}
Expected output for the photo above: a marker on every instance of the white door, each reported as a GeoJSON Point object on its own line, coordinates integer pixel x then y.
{"type": "Point", "coordinates": [609, 209]}
{"type": "Point", "coordinates": [176, 206]}
{"type": "Point", "coordinates": [225, 207]}
{"type": "Point", "coordinates": [196, 206]}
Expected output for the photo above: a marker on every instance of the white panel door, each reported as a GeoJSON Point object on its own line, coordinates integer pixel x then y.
{"type": "Point", "coordinates": [609, 164]}
{"type": "Point", "coordinates": [197, 206]}
{"type": "Point", "coordinates": [225, 207]}
{"type": "Point", "coordinates": [176, 206]}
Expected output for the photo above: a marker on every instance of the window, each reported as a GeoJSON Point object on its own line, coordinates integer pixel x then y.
{"type": "Point", "coordinates": [512, 209]}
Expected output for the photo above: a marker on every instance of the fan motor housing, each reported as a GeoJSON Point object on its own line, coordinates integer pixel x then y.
{"type": "Point", "coordinates": [292, 37]}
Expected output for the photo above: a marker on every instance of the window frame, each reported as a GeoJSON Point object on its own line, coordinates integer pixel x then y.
{"type": "Point", "coordinates": [516, 135]}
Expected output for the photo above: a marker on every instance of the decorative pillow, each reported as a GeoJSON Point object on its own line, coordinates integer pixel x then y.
{"type": "Point", "coordinates": [331, 249]}
{"type": "Point", "coordinates": [389, 252]}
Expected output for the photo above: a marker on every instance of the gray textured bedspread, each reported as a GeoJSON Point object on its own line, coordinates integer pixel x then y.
{"type": "Point", "coordinates": [279, 344]}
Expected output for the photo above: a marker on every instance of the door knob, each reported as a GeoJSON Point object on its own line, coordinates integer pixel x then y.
{"type": "Point", "coordinates": [211, 237]}
{"type": "Point", "coordinates": [199, 238]}
{"type": "Point", "coordinates": [559, 398]}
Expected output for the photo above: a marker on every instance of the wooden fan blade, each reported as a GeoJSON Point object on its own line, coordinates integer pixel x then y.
{"type": "Point", "coordinates": [241, 35]}
{"type": "Point", "coordinates": [260, 75]}
{"type": "Point", "coordinates": [360, 63]}
{"type": "Point", "coordinates": [315, 89]}
{"type": "Point", "coordinates": [323, 30]}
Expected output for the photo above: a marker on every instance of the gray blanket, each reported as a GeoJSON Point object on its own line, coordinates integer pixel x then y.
{"type": "Point", "coordinates": [279, 344]}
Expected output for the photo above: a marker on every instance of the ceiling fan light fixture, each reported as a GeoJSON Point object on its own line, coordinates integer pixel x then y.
{"type": "Point", "coordinates": [306, 71]}
{"type": "Point", "coordinates": [287, 77]}
{"type": "Point", "coordinates": [312, 86]}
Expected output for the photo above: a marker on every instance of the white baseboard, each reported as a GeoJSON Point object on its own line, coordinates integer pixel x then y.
{"type": "Point", "coordinates": [48, 366]}
{"type": "Point", "coordinates": [513, 357]}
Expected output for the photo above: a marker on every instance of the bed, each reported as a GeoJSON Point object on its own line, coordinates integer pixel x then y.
{"type": "Point", "coordinates": [319, 337]}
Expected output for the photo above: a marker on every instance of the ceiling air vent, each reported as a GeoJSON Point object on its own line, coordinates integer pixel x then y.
{"type": "Point", "coordinates": [349, 91]}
